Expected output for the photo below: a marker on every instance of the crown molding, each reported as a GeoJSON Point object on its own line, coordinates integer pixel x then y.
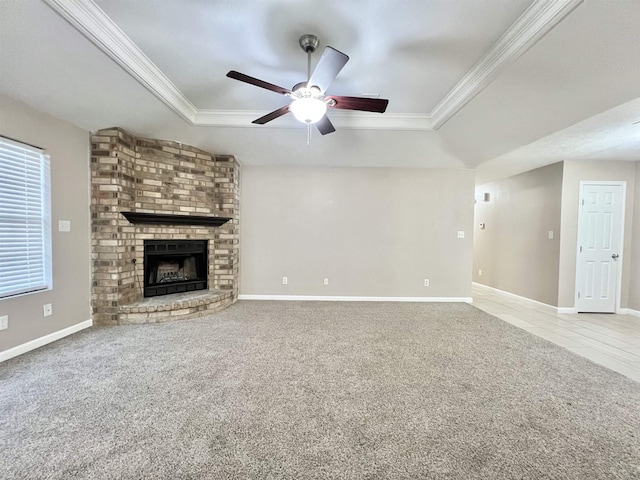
{"type": "Point", "coordinates": [532, 25]}
{"type": "Point", "coordinates": [89, 19]}
{"type": "Point", "coordinates": [97, 26]}
{"type": "Point", "coordinates": [354, 120]}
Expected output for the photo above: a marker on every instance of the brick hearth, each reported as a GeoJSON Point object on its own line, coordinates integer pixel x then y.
{"type": "Point", "coordinates": [142, 175]}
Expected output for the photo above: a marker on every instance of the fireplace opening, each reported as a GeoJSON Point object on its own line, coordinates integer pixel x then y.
{"type": "Point", "coordinates": [175, 266]}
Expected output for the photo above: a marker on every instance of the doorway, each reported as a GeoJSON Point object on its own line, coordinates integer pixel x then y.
{"type": "Point", "coordinates": [599, 255]}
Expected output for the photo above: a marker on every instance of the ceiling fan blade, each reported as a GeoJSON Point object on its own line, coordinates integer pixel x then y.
{"type": "Point", "coordinates": [257, 82]}
{"type": "Point", "coordinates": [327, 69]}
{"type": "Point", "coordinates": [325, 126]}
{"type": "Point", "coordinates": [359, 103]}
{"type": "Point", "coordinates": [271, 116]}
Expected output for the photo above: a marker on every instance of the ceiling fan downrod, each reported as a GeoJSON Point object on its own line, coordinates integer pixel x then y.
{"type": "Point", "coordinates": [309, 43]}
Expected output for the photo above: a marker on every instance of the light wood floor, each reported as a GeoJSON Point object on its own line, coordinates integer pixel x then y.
{"type": "Point", "coordinates": [610, 340]}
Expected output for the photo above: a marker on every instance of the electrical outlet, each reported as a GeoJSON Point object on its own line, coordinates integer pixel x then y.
{"type": "Point", "coordinates": [326, 281]}
{"type": "Point", "coordinates": [460, 233]}
{"type": "Point", "coordinates": [550, 234]}
{"type": "Point", "coordinates": [47, 310]}
{"type": "Point", "coordinates": [480, 272]}
{"type": "Point", "coordinates": [64, 226]}
{"type": "Point", "coordinates": [426, 282]}
{"type": "Point", "coordinates": [284, 280]}
{"type": "Point", "coordinates": [4, 322]}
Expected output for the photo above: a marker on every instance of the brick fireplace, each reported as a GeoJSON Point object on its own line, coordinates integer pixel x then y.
{"type": "Point", "coordinates": [161, 193]}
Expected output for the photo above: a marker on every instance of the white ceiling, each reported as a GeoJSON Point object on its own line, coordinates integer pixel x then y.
{"type": "Point", "coordinates": [501, 85]}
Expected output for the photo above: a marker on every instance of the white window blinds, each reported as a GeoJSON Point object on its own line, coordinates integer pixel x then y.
{"type": "Point", "coordinates": [25, 219]}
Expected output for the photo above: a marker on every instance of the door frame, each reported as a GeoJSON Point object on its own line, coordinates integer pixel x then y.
{"type": "Point", "coordinates": [623, 184]}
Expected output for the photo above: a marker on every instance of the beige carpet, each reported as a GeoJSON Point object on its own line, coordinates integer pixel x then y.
{"type": "Point", "coordinates": [316, 390]}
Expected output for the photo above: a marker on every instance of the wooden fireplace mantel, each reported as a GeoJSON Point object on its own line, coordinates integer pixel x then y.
{"type": "Point", "coordinates": [172, 219]}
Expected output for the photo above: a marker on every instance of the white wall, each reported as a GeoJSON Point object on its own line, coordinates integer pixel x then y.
{"type": "Point", "coordinates": [68, 147]}
{"type": "Point", "coordinates": [372, 232]}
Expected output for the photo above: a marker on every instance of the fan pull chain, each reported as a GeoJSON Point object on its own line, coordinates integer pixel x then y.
{"type": "Point", "coordinates": [308, 134]}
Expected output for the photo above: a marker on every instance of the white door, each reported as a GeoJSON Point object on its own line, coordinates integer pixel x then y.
{"type": "Point", "coordinates": [599, 242]}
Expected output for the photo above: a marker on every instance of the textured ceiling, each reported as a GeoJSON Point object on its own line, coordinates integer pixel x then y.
{"type": "Point", "coordinates": [576, 80]}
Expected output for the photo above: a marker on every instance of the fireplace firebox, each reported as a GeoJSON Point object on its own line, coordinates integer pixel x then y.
{"type": "Point", "coordinates": [175, 266]}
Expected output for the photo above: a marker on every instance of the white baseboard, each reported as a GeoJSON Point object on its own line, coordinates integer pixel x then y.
{"type": "Point", "coordinates": [325, 298]}
{"type": "Point", "coordinates": [502, 293]}
{"type": "Point", "coordinates": [39, 342]}
{"type": "Point", "coordinates": [567, 310]}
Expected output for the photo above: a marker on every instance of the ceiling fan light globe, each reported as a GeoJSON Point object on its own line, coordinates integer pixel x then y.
{"type": "Point", "coordinates": [308, 109]}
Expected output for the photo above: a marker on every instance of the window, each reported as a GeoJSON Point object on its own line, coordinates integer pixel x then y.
{"type": "Point", "coordinates": [25, 219]}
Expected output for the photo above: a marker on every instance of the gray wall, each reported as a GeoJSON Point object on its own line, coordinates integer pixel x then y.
{"type": "Point", "coordinates": [68, 147]}
{"type": "Point", "coordinates": [574, 172]}
{"type": "Point", "coordinates": [514, 251]}
{"type": "Point", "coordinates": [372, 232]}
{"type": "Point", "coordinates": [634, 277]}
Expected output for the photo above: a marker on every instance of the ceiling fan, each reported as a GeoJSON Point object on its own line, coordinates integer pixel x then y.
{"type": "Point", "coordinates": [309, 100]}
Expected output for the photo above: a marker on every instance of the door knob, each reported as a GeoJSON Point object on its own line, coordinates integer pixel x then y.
{"type": "Point", "coordinates": [614, 256]}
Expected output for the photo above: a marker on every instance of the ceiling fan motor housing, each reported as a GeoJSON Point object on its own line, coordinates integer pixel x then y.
{"type": "Point", "coordinates": [309, 42]}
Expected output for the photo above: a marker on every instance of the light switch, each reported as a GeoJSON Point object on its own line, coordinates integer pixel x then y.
{"type": "Point", "coordinates": [64, 226]}
{"type": "Point", "coordinates": [550, 234]}
{"type": "Point", "coordinates": [460, 233]}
